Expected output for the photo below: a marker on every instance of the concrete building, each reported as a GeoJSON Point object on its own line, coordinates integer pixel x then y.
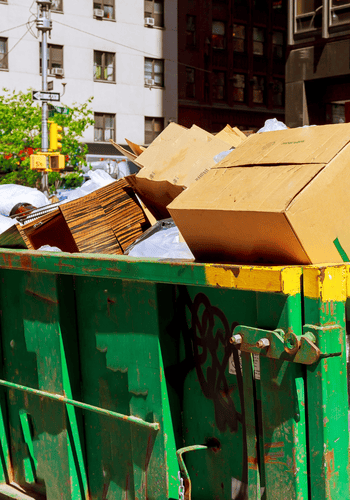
{"type": "Point", "coordinates": [124, 54]}
{"type": "Point", "coordinates": [231, 62]}
{"type": "Point", "coordinates": [318, 69]}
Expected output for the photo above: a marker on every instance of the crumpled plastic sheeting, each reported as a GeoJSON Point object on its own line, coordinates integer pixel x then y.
{"type": "Point", "coordinates": [164, 244]}
{"type": "Point", "coordinates": [222, 155]}
{"type": "Point", "coordinates": [11, 194]}
{"type": "Point", "coordinates": [271, 125]}
{"type": "Point", "coordinates": [98, 178]}
{"type": "Point", "coordinates": [48, 248]}
{"type": "Point", "coordinates": [6, 222]}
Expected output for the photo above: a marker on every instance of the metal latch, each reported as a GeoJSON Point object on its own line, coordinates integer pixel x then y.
{"type": "Point", "coordinates": [316, 342]}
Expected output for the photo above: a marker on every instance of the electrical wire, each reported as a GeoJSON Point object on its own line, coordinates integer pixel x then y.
{"type": "Point", "coordinates": [15, 45]}
{"type": "Point", "coordinates": [132, 48]}
{"type": "Point", "coordinates": [14, 28]}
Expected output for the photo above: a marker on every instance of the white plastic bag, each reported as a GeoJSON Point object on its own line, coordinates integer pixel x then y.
{"type": "Point", "coordinates": [272, 125]}
{"type": "Point", "coordinates": [98, 179]}
{"type": "Point", "coordinates": [48, 248]}
{"type": "Point", "coordinates": [5, 223]}
{"type": "Point", "coordinates": [11, 194]}
{"type": "Point", "coordinates": [222, 155]}
{"type": "Point", "coordinates": [164, 244]}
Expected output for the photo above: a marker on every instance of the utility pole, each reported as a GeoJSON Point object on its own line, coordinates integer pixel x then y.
{"type": "Point", "coordinates": [44, 24]}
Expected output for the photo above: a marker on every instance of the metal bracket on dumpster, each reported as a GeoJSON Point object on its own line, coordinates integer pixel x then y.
{"type": "Point", "coordinates": [315, 343]}
{"type": "Point", "coordinates": [184, 477]}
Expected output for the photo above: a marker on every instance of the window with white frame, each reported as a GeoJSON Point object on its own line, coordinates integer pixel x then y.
{"type": "Point", "coordinates": [104, 66]}
{"type": "Point", "coordinates": [154, 72]}
{"type": "Point", "coordinates": [3, 53]}
{"type": "Point", "coordinates": [154, 9]}
{"type": "Point", "coordinates": [104, 128]}
{"type": "Point", "coordinates": [104, 9]}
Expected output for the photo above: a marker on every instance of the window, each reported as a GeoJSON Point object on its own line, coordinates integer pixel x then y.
{"type": "Point", "coordinates": [155, 9]}
{"type": "Point", "coordinates": [3, 53]}
{"type": "Point", "coordinates": [339, 12]}
{"type": "Point", "coordinates": [154, 72]}
{"type": "Point", "coordinates": [277, 43]}
{"type": "Point", "coordinates": [277, 93]}
{"type": "Point", "coordinates": [219, 85]}
{"type": "Point", "coordinates": [104, 127]}
{"type": "Point", "coordinates": [238, 33]}
{"type": "Point", "coordinates": [239, 88]}
{"type": "Point", "coordinates": [107, 6]}
{"type": "Point", "coordinates": [308, 14]}
{"type": "Point", "coordinates": [153, 127]}
{"type": "Point", "coordinates": [258, 83]}
{"type": "Point", "coordinates": [190, 82]}
{"type": "Point", "coordinates": [57, 5]}
{"type": "Point", "coordinates": [190, 31]}
{"type": "Point", "coordinates": [104, 66]}
{"type": "Point", "coordinates": [55, 60]}
{"type": "Point", "coordinates": [258, 41]}
{"type": "Point", "coordinates": [218, 35]}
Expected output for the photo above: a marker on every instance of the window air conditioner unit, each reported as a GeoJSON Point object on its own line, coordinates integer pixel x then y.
{"type": "Point", "coordinates": [149, 82]}
{"type": "Point", "coordinates": [149, 21]}
{"type": "Point", "coordinates": [98, 13]}
{"type": "Point", "coordinates": [57, 71]}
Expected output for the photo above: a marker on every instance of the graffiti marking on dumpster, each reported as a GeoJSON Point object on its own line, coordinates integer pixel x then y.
{"type": "Point", "coordinates": [211, 330]}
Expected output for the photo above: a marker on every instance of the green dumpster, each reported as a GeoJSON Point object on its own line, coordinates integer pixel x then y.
{"type": "Point", "coordinates": [125, 379]}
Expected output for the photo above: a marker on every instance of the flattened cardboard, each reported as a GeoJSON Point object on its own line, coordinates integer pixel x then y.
{"type": "Point", "coordinates": [292, 146]}
{"type": "Point", "coordinates": [247, 210]}
{"type": "Point", "coordinates": [172, 164]}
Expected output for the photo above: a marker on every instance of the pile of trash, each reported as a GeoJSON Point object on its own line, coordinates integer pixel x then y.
{"type": "Point", "coordinates": [277, 197]}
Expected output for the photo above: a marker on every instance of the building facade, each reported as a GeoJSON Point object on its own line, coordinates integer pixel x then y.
{"type": "Point", "coordinates": [318, 69]}
{"type": "Point", "coordinates": [124, 54]}
{"type": "Point", "coordinates": [231, 62]}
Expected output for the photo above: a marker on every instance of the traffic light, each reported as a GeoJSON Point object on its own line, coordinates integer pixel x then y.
{"type": "Point", "coordinates": [38, 162]}
{"type": "Point", "coordinates": [55, 136]}
{"type": "Point", "coordinates": [56, 162]}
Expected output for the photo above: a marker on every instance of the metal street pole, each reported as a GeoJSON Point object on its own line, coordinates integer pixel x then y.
{"type": "Point", "coordinates": [44, 24]}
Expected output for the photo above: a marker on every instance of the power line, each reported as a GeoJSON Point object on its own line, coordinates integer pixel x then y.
{"type": "Point", "coordinates": [14, 28]}
{"type": "Point", "coordinates": [132, 48]}
{"type": "Point", "coordinates": [7, 53]}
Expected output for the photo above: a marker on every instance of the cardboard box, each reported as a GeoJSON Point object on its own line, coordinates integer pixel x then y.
{"type": "Point", "coordinates": [105, 221]}
{"type": "Point", "coordinates": [177, 158]}
{"type": "Point", "coordinates": [281, 197]}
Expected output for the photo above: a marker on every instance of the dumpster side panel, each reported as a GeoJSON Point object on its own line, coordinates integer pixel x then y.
{"type": "Point", "coordinates": [122, 370]}
{"type": "Point", "coordinates": [327, 395]}
{"type": "Point", "coordinates": [46, 446]}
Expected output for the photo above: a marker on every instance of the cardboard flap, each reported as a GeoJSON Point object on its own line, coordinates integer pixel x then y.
{"type": "Point", "coordinates": [292, 146]}
{"type": "Point", "coordinates": [156, 195]}
{"type": "Point", "coordinates": [135, 148]}
{"type": "Point", "coordinates": [233, 136]}
{"type": "Point", "coordinates": [266, 189]}
{"type": "Point", "coordinates": [130, 156]}
{"type": "Point", "coordinates": [168, 149]}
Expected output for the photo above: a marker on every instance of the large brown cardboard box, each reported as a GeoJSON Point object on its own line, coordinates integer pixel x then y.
{"type": "Point", "coordinates": [281, 197]}
{"type": "Point", "coordinates": [177, 158]}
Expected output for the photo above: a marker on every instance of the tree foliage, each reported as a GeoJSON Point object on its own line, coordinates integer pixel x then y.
{"type": "Point", "coordinates": [20, 136]}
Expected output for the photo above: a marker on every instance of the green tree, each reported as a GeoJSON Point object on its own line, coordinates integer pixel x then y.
{"type": "Point", "coordinates": [20, 136]}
